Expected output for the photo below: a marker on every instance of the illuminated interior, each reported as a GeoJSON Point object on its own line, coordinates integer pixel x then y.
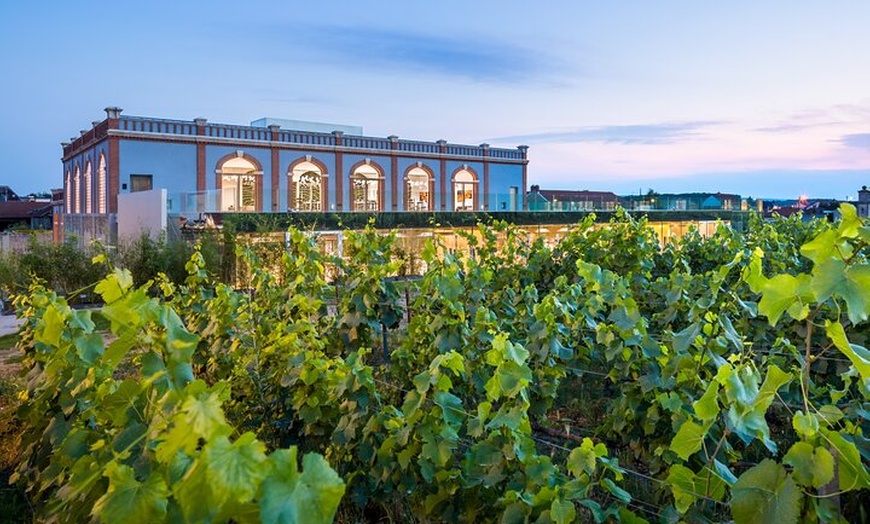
{"type": "Point", "coordinates": [418, 190]}
{"type": "Point", "coordinates": [101, 184]}
{"type": "Point", "coordinates": [238, 185]}
{"type": "Point", "coordinates": [306, 179]}
{"type": "Point", "coordinates": [464, 191]}
{"type": "Point", "coordinates": [365, 184]}
{"type": "Point", "coordinates": [89, 204]}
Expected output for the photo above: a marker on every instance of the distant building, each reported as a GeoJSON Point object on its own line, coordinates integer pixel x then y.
{"type": "Point", "coordinates": [684, 202]}
{"type": "Point", "coordinates": [809, 209]}
{"type": "Point", "coordinates": [6, 194]}
{"type": "Point", "coordinates": [863, 203]}
{"type": "Point", "coordinates": [567, 200]}
{"type": "Point", "coordinates": [277, 166]}
{"type": "Point", "coordinates": [26, 214]}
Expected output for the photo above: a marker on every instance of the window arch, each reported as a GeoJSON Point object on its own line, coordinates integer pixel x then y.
{"type": "Point", "coordinates": [419, 183]}
{"type": "Point", "coordinates": [67, 192]}
{"type": "Point", "coordinates": [101, 184]}
{"type": "Point", "coordinates": [89, 197]}
{"type": "Point", "coordinates": [367, 187]}
{"type": "Point", "coordinates": [464, 189]}
{"type": "Point", "coordinates": [76, 191]}
{"type": "Point", "coordinates": [239, 179]}
{"type": "Point", "coordinates": [306, 187]}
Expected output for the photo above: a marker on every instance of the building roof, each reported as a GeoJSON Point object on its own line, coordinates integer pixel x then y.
{"type": "Point", "coordinates": [711, 202]}
{"type": "Point", "coordinates": [304, 125]}
{"type": "Point", "coordinates": [20, 209]}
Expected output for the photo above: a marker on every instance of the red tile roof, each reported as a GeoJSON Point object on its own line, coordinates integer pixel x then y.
{"type": "Point", "coordinates": [21, 208]}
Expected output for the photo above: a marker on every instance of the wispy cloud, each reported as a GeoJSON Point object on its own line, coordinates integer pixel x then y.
{"type": "Point", "coordinates": [484, 60]}
{"type": "Point", "coordinates": [794, 127]}
{"type": "Point", "coordinates": [832, 116]}
{"type": "Point", "coordinates": [636, 134]}
{"type": "Point", "coordinates": [859, 140]}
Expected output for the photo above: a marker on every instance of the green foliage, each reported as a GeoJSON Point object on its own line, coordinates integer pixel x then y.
{"type": "Point", "coordinates": [765, 494]}
{"type": "Point", "coordinates": [154, 447]}
{"type": "Point", "coordinates": [729, 374]}
{"type": "Point", "coordinates": [65, 268]}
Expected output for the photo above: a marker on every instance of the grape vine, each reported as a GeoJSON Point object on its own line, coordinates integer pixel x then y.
{"type": "Point", "coordinates": [605, 378]}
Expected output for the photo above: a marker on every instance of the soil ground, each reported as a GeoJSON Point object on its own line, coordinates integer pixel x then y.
{"type": "Point", "coordinates": [8, 357]}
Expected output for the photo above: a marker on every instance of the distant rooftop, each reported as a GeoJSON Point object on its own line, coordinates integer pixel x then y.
{"type": "Point", "coordinates": [311, 127]}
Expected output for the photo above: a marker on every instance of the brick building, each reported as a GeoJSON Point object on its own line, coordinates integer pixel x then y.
{"type": "Point", "coordinates": [277, 166]}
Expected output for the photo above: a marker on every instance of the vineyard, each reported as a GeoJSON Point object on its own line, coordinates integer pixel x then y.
{"type": "Point", "coordinates": [603, 379]}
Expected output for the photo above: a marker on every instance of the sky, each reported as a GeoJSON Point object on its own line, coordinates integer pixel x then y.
{"type": "Point", "coordinates": [764, 98]}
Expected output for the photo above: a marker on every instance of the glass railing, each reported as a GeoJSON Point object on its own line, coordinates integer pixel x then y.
{"type": "Point", "coordinates": [194, 203]}
{"type": "Point", "coordinates": [198, 202]}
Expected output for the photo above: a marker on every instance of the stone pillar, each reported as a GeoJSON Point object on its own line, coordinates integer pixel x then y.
{"type": "Point", "coordinates": [485, 183]}
{"type": "Point", "coordinates": [113, 116]}
{"type": "Point", "coordinates": [200, 161]}
{"type": "Point", "coordinates": [442, 146]}
{"type": "Point", "coordinates": [339, 171]}
{"type": "Point", "coordinates": [276, 172]}
{"type": "Point", "coordinates": [394, 171]}
{"type": "Point", "coordinates": [525, 152]}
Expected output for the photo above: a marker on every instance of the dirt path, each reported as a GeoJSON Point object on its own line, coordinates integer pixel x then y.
{"type": "Point", "coordinates": [9, 365]}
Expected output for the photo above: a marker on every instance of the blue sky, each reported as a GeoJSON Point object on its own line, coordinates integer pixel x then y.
{"type": "Point", "coordinates": [763, 98]}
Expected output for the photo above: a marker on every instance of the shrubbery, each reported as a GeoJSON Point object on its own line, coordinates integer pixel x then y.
{"type": "Point", "coordinates": [67, 269]}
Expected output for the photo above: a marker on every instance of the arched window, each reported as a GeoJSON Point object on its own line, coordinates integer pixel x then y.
{"type": "Point", "coordinates": [366, 188]}
{"type": "Point", "coordinates": [101, 184]}
{"type": "Point", "coordinates": [239, 181]}
{"type": "Point", "coordinates": [76, 191]}
{"type": "Point", "coordinates": [89, 197]}
{"type": "Point", "coordinates": [417, 191]}
{"type": "Point", "coordinates": [67, 192]}
{"type": "Point", "coordinates": [306, 187]}
{"type": "Point", "coordinates": [464, 190]}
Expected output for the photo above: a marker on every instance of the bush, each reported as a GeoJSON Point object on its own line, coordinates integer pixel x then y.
{"type": "Point", "coordinates": [66, 268]}
{"type": "Point", "coordinates": [145, 257]}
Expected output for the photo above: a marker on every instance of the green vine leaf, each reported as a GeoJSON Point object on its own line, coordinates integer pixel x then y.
{"type": "Point", "coordinates": [786, 293]}
{"type": "Point", "coordinates": [852, 474]}
{"type": "Point", "coordinates": [765, 494]}
{"type": "Point", "coordinates": [859, 356]}
{"type": "Point", "coordinates": [115, 285]}
{"type": "Point", "coordinates": [688, 439]}
{"type": "Point", "coordinates": [562, 511]}
{"type": "Point", "coordinates": [290, 497]}
{"type": "Point", "coordinates": [128, 500]}
{"type": "Point", "coordinates": [707, 407]}
{"type": "Point", "coordinates": [832, 277]}
{"type": "Point", "coordinates": [812, 466]}
{"type": "Point", "coordinates": [235, 469]}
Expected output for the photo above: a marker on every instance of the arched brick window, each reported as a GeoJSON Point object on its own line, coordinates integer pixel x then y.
{"type": "Point", "coordinates": [464, 189]}
{"type": "Point", "coordinates": [419, 185]}
{"type": "Point", "coordinates": [367, 187]}
{"type": "Point", "coordinates": [76, 191]}
{"type": "Point", "coordinates": [67, 192]}
{"type": "Point", "coordinates": [239, 183]}
{"type": "Point", "coordinates": [101, 185]}
{"type": "Point", "coordinates": [306, 187]}
{"type": "Point", "coordinates": [89, 196]}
